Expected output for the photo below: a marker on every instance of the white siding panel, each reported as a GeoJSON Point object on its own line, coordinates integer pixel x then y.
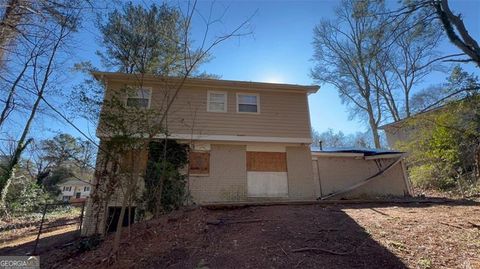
{"type": "Point", "coordinates": [267, 184]}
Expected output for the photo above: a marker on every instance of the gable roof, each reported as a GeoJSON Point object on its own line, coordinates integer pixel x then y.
{"type": "Point", "coordinates": [225, 84]}
{"type": "Point", "coordinates": [72, 180]}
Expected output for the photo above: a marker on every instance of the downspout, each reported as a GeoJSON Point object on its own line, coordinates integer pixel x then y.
{"type": "Point", "coordinates": [364, 181]}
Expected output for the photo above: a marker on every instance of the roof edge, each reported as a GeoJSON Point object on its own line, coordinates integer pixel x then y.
{"type": "Point", "coordinates": [206, 81]}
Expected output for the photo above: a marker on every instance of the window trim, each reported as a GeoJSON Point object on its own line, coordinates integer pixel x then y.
{"type": "Point", "coordinates": [225, 109]}
{"type": "Point", "coordinates": [149, 97]}
{"type": "Point", "coordinates": [258, 103]}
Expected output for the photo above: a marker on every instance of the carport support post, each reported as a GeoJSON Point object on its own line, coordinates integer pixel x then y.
{"type": "Point", "coordinates": [318, 173]}
{"type": "Point", "coordinates": [40, 229]}
{"type": "Point", "coordinates": [406, 178]}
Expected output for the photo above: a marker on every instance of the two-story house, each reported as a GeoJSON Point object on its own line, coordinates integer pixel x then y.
{"type": "Point", "coordinates": [74, 190]}
{"type": "Point", "coordinates": [249, 141]}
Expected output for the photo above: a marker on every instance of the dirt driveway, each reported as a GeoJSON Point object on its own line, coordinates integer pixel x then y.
{"type": "Point", "coordinates": [300, 236]}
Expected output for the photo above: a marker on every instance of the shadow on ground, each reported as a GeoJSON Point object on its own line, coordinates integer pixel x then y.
{"type": "Point", "coordinates": [56, 247]}
{"type": "Point", "coordinates": [317, 235]}
{"type": "Point", "coordinates": [286, 237]}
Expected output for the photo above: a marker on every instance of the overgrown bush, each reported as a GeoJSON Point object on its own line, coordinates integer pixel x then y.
{"type": "Point", "coordinates": [428, 176]}
{"type": "Point", "coordinates": [25, 196]}
{"type": "Point", "coordinates": [445, 148]}
{"type": "Point", "coordinates": [163, 179]}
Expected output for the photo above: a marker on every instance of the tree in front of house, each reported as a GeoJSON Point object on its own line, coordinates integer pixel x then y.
{"type": "Point", "coordinates": [143, 41]}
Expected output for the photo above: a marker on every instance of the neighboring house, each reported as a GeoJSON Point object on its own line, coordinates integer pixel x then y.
{"type": "Point", "coordinates": [403, 131]}
{"type": "Point", "coordinates": [74, 190]}
{"type": "Point", "coordinates": [250, 142]}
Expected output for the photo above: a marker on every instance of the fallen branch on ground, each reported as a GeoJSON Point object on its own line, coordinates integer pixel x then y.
{"type": "Point", "coordinates": [283, 251]}
{"type": "Point", "coordinates": [328, 230]}
{"type": "Point", "coordinates": [298, 264]}
{"type": "Point", "coordinates": [324, 250]}
{"type": "Point", "coordinates": [474, 225]}
{"type": "Point", "coordinates": [330, 251]}
{"type": "Point", "coordinates": [225, 222]}
{"type": "Point", "coordinates": [451, 225]}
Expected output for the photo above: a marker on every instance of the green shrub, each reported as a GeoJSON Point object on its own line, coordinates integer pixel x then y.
{"type": "Point", "coordinates": [429, 176]}
{"type": "Point", "coordinates": [444, 146]}
{"type": "Point", "coordinates": [26, 196]}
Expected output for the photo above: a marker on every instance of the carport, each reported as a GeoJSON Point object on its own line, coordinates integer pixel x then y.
{"type": "Point", "coordinates": [359, 173]}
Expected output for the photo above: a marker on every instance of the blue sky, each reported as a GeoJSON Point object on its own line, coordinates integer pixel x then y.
{"type": "Point", "coordinates": [279, 50]}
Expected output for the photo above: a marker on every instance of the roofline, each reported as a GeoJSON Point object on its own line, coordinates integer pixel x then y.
{"type": "Point", "coordinates": [206, 81]}
{"type": "Point", "coordinates": [388, 155]}
{"type": "Point", "coordinates": [415, 115]}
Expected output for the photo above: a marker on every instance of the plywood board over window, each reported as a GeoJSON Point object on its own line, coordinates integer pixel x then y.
{"type": "Point", "coordinates": [266, 161]}
{"type": "Point", "coordinates": [134, 161]}
{"type": "Point", "coordinates": [199, 163]}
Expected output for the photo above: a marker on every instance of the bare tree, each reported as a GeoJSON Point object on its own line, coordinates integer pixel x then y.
{"type": "Point", "coordinates": [429, 11]}
{"type": "Point", "coordinates": [131, 129]}
{"type": "Point", "coordinates": [408, 56]}
{"type": "Point", "coordinates": [47, 37]}
{"type": "Point", "coordinates": [345, 51]}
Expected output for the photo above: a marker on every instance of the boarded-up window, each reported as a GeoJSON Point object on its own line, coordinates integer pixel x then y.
{"type": "Point", "coordinates": [134, 161]}
{"type": "Point", "coordinates": [199, 163]}
{"type": "Point", "coordinates": [266, 161]}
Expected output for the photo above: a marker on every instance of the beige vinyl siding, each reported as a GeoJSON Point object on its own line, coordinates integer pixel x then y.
{"type": "Point", "coordinates": [282, 113]}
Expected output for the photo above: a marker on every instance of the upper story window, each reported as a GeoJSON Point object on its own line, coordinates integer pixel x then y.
{"type": "Point", "coordinates": [139, 98]}
{"type": "Point", "coordinates": [217, 101]}
{"type": "Point", "coordinates": [65, 188]}
{"type": "Point", "coordinates": [86, 188]}
{"type": "Point", "coordinates": [248, 103]}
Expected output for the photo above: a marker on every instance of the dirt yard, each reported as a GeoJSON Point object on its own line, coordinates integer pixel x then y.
{"type": "Point", "coordinates": [299, 236]}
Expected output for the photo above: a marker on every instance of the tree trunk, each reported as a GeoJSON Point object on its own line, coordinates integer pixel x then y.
{"type": "Point", "coordinates": [9, 102]}
{"type": "Point", "coordinates": [376, 137]}
{"type": "Point", "coordinates": [373, 126]}
{"type": "Point", "coordinates": [118, 232]}
{"type": "Point", "coordinates": [12, 17]}
{"type": "Point", "coordinates": [477, 163]}
{"type": "Point", "coordinates": [158, 195]}
{"type": "Point", "coordinates": [21, 144]}
{"type": "Point", "coordinates": [3, 204]}
{"type": "Point", "coordinates": [407, 104]}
